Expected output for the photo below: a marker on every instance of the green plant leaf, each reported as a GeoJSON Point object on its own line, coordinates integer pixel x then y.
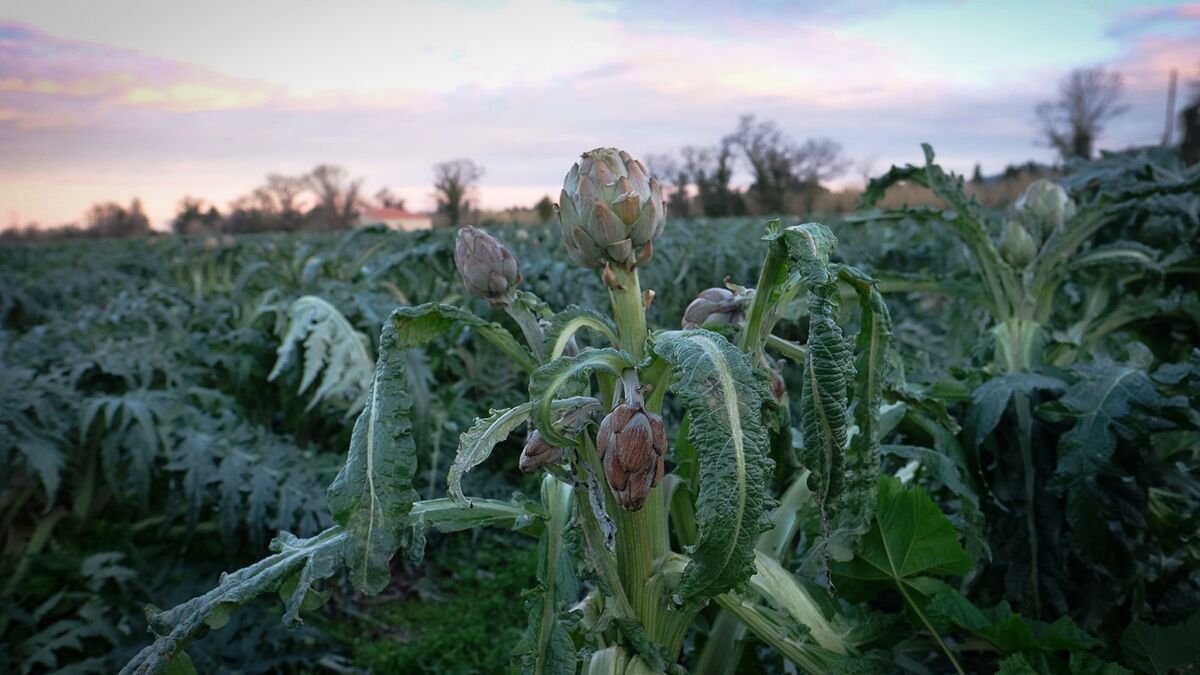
{"type": "Point", "coordinates": [333, 351]}
{"type": "Point", "coordinates": [824, 419]}
{"type": "Point", "coordinates": [475, 445]}
{"type": "Point", "coordinates": [546, 382]}
{"type": "Point", "coordinates": [722, 397]}
{"type": "Point", "coordinates": [373, 491]}
{"type": "Point", "coordinates": [418, 325]}
{"type": "Point", "coordinates": [1006, 630]}
{"type": "Point", "coordinates": [852, 517]}
{"type": "Point", "coordinates": [569, 321]}
{"type": "Point", "coordinates": [547, 648]}
{"type": "Point", "coordinates": [1162, 649]}
{"type": "Point", "coordinates": [991, 398]}
{"type": "Point", "coordinates": [910, 537]}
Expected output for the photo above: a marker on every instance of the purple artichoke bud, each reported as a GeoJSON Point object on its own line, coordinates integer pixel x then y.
{"type": "Point", "coordinates": [610, 210]}
{"type": "Point", "coordinates": [715, 306]}
{"type": "Point", "coordinates": [538, 453]}
{"type": "Point", "coordinates": [487, 268]}
{"type": "Point", "coordinates": [632, 442]}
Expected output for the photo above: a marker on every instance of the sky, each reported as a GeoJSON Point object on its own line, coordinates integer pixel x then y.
{"type": "Point", "coordinates": [160, 100]}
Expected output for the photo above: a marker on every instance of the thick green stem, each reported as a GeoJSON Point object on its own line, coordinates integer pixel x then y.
{"type": "Point", "coordinates": [641, 535]}
{"type": "Point", "coordinates": [760, 318]}
{"type": "Point", "coordinates": [1025, 432]}
{"type": "Point", "coordinates": [529, 328]}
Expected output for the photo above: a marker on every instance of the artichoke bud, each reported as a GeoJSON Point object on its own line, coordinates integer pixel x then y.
{"type": "Point", "coordinates": [610, 210]}
{"type": "Point", "coordinates": [1017, 247]}
{"type": "Point", "coordinates": [715, 306]}
{"type": "Point", "coordinates": [487, 268]}
{"type": "Point", "coordinates": [1043, 208]}
{"type": "Point", "coordinates": [632, 442]}
{"type": "Point", "coordinates": [537, 453]}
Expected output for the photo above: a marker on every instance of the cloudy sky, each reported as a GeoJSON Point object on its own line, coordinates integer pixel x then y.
{"type": "Point", "coordinates": [124, 98]}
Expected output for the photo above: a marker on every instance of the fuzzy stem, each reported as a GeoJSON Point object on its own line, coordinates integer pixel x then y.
{"type": "Point", "coordinates": [760, 318]}
{"type": "Point", "coordinates": [528, 324]}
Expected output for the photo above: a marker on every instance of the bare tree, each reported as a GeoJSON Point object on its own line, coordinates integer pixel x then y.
{"type": "Point", "coordinates": [453, 183]}
{"type": "Point", "coordinates": [337, 197]}
{"type": "Point", "coordinates": [770, 156]}
{"type": "Point", "coordinates": [388, 200]}
{"type": "Point", "coordinates": [711, 170]}
{"type": "Point", "coordinates": [673, 176]}
{"type": "Point", "coordinates": [1088, 98]}
{"type": "Point", "coordinates": [111, 220]}
{"type": "Point", "coordinates": [815, 162]}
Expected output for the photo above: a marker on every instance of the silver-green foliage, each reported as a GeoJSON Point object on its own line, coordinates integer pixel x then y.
{"type": "Point", "coordinates": [334, 352]}
{"type": "Point", "coordinates": [722, 395]}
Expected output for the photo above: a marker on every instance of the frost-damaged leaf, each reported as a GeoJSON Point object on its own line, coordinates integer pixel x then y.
{"type": "Point", "coordinates": [989, 401]}
{"type": "Point", "coordinates": [566, 323]}
{"type": "Point", "coordinates": [823, 397]}
{"type": "Point", "coordinates": [547, 648]}
{"type": "Point", "coordinates": [333, 351]}
{"type": "Point", "coordinates": [316, 558]}
{"type": "Point", "coordinates": [723, 401]}
{"type": "Point", "coordinates": [373, 491]}
{"type": "Point", "coordinates": [852, 519]}
{"type": "Point", "coordinates": [475, 445]}
{"type": "Point", "coordinates": [545, 383]}
{"type": "Point", "coordinates": [418, 325]}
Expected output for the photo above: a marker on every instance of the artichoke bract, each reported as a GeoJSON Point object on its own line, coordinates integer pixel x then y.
{"type": "Point", "coordinates": [487, 268]}
{"type": "Point", "coordinates": [1043, 208]}
{"type": "Point", "coordinates": [631, 442]}
{"type": "Point", "coordinates": [610, 210]}
{"type": "Point", "coordinates": [715, 306]}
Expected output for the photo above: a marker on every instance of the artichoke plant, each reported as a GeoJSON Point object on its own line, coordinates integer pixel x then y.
{"type": "Point", "coordinates": [715, 306]}
{"type": "Point", "coordinates": [610, 210]}
{"type": "Point", "coordinates": [1043, 208]}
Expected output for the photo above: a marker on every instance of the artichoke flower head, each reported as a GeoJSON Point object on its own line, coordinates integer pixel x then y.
{"type": "Point", "coordinates": [610, 210]}
{"type": "Point", "coordinates": [1043, 208]}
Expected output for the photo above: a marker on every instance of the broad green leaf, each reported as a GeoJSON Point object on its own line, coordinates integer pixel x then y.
{"type": "Point", "coordinates": [852, 517]}
{"type": "Point", "coordinates": [418, 325]}
{"type": "Point", "coordinates": [475, 445]}
{"type": "Point", "coordinates": [824, 419]}
{"type": "Point", "coordinates": [1006, 630]}
{"type": "Point", "coordinates": [181, 664]}
{"type": "Point", "coordinates": [1162, 649]}
{"type": "Point", "coordinates": [910, 537]}
{"type": "Point", "coordinates": [989, 401]}
{"type": "Point", "coordinates": [546, 381]}
{"type": "Point", "coordinates": [314, 558]}
{"type": "Point", "coordinates": [723, 399]}
{"type": "Point", "coordinates": [373, 491]}
{"type": "Point", "coordinates": [333, 351]}
{"type": "Point", "coordinates": [569, 321]}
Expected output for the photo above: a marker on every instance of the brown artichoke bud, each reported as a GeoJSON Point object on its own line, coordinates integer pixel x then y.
{"type": "Point", "coordinates": [610, 210]}
{"type": "Point", "coordinates": [487, 268]}
{"type": "Point", "coordinates": [538, 453]}
{"type": "Point", "coordinates": [632, 442]}
{"type": "Point", "coordinates": [714, 306]}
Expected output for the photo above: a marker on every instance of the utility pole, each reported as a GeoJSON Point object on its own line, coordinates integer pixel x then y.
{"type": "Point", "coordinates": [1169, 131]}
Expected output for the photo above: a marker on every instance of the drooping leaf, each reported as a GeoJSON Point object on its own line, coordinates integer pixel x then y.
{"type": "Point", "coordinates": [546, 382]}
{"type": "Point", "coordinates": [315, 558]}
{"type": "Point", "coordinates": [334, 352]}
{"type": "Point", "coordinates": [722, 398]}
{"type": "Point", "coordinates": [852, 517]}
{"type": "Point", "coordinates": [569, 321]}
{"type": "Point", "coordinates": [824, 418]}
{"type": "Point", "coordinates": [418, 325]}
{"type": "Point", "coordinates": [373, 491]}
{"type": "Point", "coordinates": [475, 445]}
{"type": "Point", "coordinates": [1162, 649]}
